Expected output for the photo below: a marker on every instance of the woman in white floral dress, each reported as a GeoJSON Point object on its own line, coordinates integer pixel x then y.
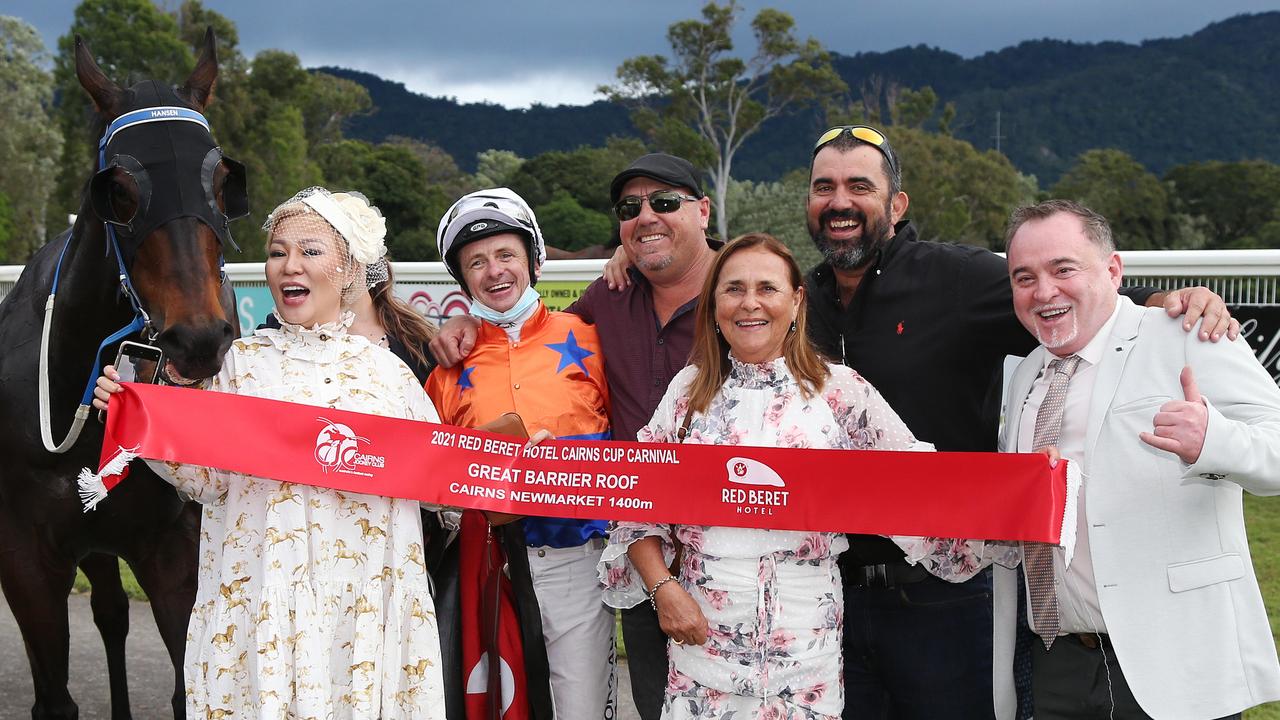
{"type": "Point", "coordinates": [311, 602]}
{"type": "Point", "coordinates": [755, 616]}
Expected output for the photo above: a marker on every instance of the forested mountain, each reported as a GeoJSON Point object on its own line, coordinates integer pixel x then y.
{"type": "Point", "coordinates": [1212, 95]}
{"type": "Point", "coordinates": [464, 130]}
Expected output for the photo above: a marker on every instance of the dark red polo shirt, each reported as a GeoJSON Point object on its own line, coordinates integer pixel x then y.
{"type": "Point", "coordinates": [640, 357]}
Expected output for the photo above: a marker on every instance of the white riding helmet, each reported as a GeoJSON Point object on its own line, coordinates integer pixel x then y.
{"type": "Point", "coordinates": [488, 212]}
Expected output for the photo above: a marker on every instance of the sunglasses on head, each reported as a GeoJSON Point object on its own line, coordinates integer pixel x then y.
{"type": "Point", "coordinates": [865, 133]}
{"type": "Point", "coordinates": [660, 201]}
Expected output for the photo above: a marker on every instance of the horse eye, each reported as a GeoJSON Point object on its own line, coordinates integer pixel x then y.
{"type": "Point", "coordinates": [124, 196]}
{"type": "Point", "coordinates": [220, 179]}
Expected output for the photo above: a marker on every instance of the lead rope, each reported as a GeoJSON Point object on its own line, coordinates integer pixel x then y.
{"type": "Point", "coordinates": [46, 424]}
{"type": "Point", "coordinates": [141, 321]}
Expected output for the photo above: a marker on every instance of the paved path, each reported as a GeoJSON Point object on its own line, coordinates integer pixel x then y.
{"type": "Point", "coordinates": [150, 676]}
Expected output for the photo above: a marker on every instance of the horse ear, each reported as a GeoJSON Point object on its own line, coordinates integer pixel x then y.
{"type": "Point", "coordinates": [199, 87]}
{"type": "Point", "coordinates": [105, 93]}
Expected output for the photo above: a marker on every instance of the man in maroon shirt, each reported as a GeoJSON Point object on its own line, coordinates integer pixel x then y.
{"type": "Point", "coordinates": [646, 332]}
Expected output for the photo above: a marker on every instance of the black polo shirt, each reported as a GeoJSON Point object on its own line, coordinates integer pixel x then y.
{"type": "Point", "coordinates": [929, 326]}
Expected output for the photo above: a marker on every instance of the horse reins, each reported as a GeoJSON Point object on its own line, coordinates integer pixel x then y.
{"type": "Point", "coordinates": [141, 320]}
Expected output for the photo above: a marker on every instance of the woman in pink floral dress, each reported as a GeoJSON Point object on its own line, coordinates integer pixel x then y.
{"type": "Point", "coordinates": [755, 616]}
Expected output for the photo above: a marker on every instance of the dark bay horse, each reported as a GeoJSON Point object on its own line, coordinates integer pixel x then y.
{"type": "Point", "coordinates": [169, 193]}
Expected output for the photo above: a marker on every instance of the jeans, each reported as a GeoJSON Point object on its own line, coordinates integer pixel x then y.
{"type": "Point", "coordinates": [919, 650]}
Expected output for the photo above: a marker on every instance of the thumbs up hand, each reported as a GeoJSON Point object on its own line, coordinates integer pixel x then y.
{"type": "Point", "coordinates": [1180, 425]}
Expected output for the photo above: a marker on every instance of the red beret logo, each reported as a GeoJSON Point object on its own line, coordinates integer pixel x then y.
{"type": "Point", "coordinates": [764, 493]}
{"type": "Point", "coordinates": [745, 471]}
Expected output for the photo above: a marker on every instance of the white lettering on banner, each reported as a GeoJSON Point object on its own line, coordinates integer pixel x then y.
{"type": "Point", "coordinates": [580, 453]}
{"type": "Point", "coordinates": [492, 472]}
{"type": "Point", "coordinates": [164, 113]}
{"type": "Point", "coordinates": [557, 498]}
{"type": "Point", "coordinates": [478, 491]}
{"type": "Point", "coordinates": [652, 455]}
{"type": "Point", "coordinates": [562, 479]}
{"type": "Point", "coordinates": [501, 447]}
{"type": "Point", "coordinates": [617, 482]}
{"type": "Point", "coordinates": [369, 460]}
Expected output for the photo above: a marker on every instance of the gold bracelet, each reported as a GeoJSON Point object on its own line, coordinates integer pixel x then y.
{"type": "Point", "coordinates": [653, 593]}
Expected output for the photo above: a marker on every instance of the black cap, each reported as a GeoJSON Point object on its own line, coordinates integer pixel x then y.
{"type": "Point", "coordinates": [669, 169]}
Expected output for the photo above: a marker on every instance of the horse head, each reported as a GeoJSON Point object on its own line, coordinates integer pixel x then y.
{"type": "Point", "coordinates": [167, 195]}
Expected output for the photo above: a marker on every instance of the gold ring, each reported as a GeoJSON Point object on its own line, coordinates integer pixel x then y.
{"type": "Point", "coordinates": [678, 642]}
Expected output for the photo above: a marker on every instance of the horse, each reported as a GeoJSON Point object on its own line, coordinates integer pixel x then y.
{"type": "Point", "coordinates": [144, 257]}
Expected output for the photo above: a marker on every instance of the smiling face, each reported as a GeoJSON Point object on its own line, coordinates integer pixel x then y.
{"type": "Point", "coordinates": [849, 210]}
{"type": "Point", "coordinates": [756, 304]}
{"type": "Point", "coordinates": [306, 263]}
{"type": "Point", "coordinates": [1064, 286]}
{"type": "Point", "coordinates": [664, 243]}
{"type": "Point", "coordinates": [496, 269]}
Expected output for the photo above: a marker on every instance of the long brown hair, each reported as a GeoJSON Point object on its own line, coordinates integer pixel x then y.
{"type": "Point", "coordinates": [401, 321]}
{"type": "Point", "coordinates": [711, 350]}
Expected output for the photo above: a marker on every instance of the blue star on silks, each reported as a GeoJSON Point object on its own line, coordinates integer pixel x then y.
{"type": "Point", "coordinates": [571, 353]}
{"type": "Point", "coordinates": [464, 380]}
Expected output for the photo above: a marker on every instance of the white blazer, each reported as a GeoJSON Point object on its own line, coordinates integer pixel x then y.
{"type": "Point", "coordinates": [1170, 558]}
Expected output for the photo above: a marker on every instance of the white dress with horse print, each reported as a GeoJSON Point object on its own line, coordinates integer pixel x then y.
{"type": "Point", "coordinates": [311, 602]}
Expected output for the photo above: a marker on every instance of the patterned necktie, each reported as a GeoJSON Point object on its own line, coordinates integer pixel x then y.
{"type": "Point", "coordinates": [1038, 557]}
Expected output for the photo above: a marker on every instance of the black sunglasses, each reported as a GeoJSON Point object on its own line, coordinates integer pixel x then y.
{"type": "Point", "coordinates": [661, 201]}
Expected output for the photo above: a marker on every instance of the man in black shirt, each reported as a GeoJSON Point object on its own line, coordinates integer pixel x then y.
{"type": "Point", "coordinates": [929, 325]}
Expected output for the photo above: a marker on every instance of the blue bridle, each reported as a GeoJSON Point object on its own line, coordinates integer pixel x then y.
{"type": "Point", "coordinates": [141, 320]}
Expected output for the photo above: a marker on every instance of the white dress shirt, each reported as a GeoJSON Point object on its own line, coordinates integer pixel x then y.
{"type": "Point", "coordinates": [1078, 606]}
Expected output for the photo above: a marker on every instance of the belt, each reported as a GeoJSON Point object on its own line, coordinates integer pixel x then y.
{"type": "Point", "coordinates": [886, 575]}
{"type": "Point", "coordinates": [1093, 641]}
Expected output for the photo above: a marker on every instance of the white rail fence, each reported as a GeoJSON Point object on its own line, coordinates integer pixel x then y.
{"type": "Point", "coordinates": [1242, 277]}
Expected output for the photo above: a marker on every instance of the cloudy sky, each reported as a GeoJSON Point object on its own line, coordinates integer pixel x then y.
{"type": "Point", "coordinates": [517, 52]}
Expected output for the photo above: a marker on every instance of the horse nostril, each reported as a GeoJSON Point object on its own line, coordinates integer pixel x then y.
{"type": "Point", "coordinates": [197, 350]}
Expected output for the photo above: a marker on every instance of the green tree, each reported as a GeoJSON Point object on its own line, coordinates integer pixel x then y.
{"type": "Point", "coordinates": [6, 228]}
{"type": "Point", "coordinates": [194, 18]}
{"type": "Point", "coordinates": [132, 40]}
{"type": "Point", "coordinates": [496, 168]}
{"type": "Point", "coordinates": [958, 194]}
{"type": "Point", "coordinates": [1134, 201]}
{"type": "Point", "coordinates": [584, 173]}
{"type": "Point", "coordinates": [30, 142]}
{"type": "Point", "coordinates": [327, 101]}
{"type": "Point", "coordinates": [776, 208]}
{"type": "Point", "coordinates": [1236, 199]}
{"type": "Point", "coordinates": [441, 169]}
{"type": "Point", "coordinates": [704, 103]}
{"type": "Point", "coordinates": [569, 226]}
{"type": "Point", "coordinates": [395, 180]}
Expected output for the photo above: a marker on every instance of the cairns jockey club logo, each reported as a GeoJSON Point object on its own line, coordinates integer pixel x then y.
{"type": "Point", "coordinates": [338, 450]}
{"type": "Point", "coordinates": [757, 498]}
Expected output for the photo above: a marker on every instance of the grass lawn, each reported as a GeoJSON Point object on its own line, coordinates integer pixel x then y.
{"type": "Point", "coordinates": [1262, 515]}
{"type": "Point", "coordinates": [1263, 518]}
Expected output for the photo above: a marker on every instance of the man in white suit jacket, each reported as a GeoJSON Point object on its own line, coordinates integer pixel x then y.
{"type": "Point", "coordinates": [1158, 613]}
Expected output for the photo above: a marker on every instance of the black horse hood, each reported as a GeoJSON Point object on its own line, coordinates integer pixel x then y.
{"type": "Point", "coordinates": [169, 152]}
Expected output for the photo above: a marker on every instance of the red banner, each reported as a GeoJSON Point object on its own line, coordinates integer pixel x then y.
{"type": "Point", "coordinates": [963, 495]}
